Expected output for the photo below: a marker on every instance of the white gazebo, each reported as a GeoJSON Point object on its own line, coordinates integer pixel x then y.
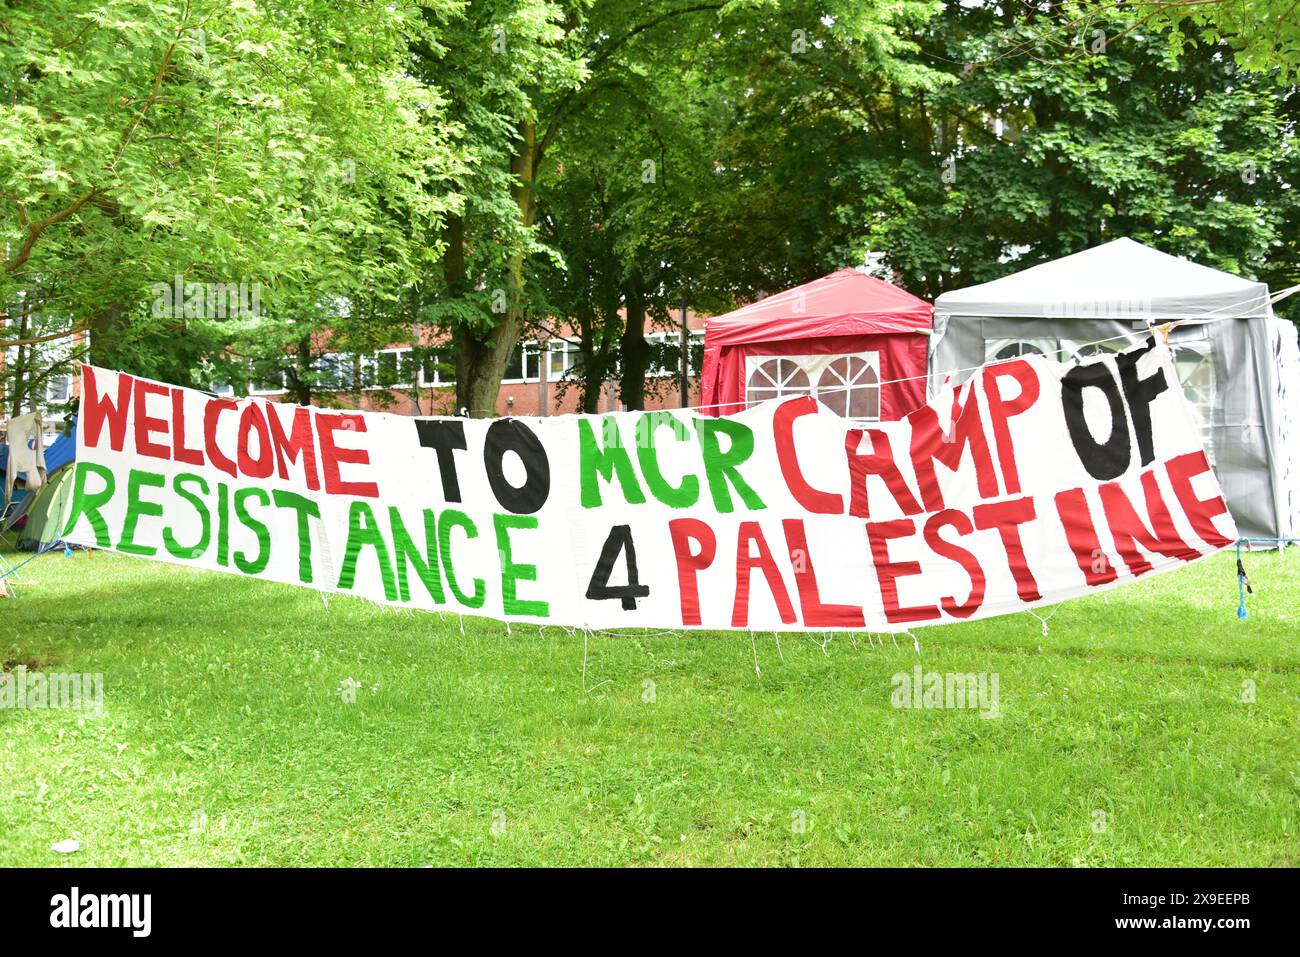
{"type": "Point", "coordinates": [1239, 364]}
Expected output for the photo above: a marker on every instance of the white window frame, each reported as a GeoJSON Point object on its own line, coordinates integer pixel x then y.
{"type": "Point", "coordinates": [399, 351]}
{"type": "Point", "coordinates": [526, 348]}
{"type": "Point", "coordinates": [813, 367]}
{"type": "Point", "coordinates": [437, 381]}
{"type": "Point", "coordinates": [568, 352]}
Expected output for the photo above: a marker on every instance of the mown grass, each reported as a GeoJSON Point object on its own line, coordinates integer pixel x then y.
{"type": "Point", "coordinates": [225, 739]}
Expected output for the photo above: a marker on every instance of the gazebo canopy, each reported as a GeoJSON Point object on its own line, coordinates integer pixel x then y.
{"type": "Point", "coordinates": [1122, 279]}
{"type": "Point", "coordinates": [845, 303]}
{"type": "Point", "coordinates": [855, 342]}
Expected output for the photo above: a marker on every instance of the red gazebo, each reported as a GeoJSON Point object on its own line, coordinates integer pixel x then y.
{"type": "Point", "coordinates": [839, 338]}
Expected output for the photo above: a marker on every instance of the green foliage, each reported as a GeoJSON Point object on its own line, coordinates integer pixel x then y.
{"type": "Point", "coordinates": [1041, 136]}
{"type": "Point", "coordinates": [221, 142]}
{"type": "Point", "coordinates": [483, 171]}
{"type": "Point", "coordinates": [1264, 34]}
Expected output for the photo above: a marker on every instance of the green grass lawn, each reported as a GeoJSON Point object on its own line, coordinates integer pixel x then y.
{"type": "Point", "coordinates": [1124, 738]}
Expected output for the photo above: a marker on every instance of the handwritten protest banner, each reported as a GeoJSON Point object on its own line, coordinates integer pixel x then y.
{"type": "Point", "coordinates": [1030, 483]}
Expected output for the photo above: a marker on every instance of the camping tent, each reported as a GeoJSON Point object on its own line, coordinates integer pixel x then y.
{"type": "Point", "coordinates": [838, 337]}
{"type": "Point", "coordinates": [1237, 362]}
{"type": "Point", "coordinates": [47, 512]}
{"type": "Point", "coordinates": [43, 507]}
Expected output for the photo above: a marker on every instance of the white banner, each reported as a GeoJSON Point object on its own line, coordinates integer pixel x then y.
{"type": "Point", "coordinates": [1031, 483]}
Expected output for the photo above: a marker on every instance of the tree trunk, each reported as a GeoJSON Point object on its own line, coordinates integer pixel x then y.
{"type": "Point", "coordinates": [481, 356]}
{"type": "Point", "coordinates": [105, 335]}
{"type": "Point", "coordinates": [302, 372]}
{"type": "Point", "coordinates": [634, 350]}
{"type": "Point", "coordinates": [18, 391]}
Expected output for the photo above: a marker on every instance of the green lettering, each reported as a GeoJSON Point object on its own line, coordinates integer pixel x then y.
{"type": "Point", "coordinates": [607, 459]}
{"type": "Point", "coordinates": [450, 519]}
{"type": "Point", "coordinates": [87, 504]}
{"type": "Point", "coordinates": [512, 573]}
{"type": "Point", "coordinates": [136, 507]}
{"type": "Point", "coordinates": [722, 467]}
{"type": "Point", "coordinates": [306, 509]}
{"type": "Point", "coordinates": [674, 496]}
{"type": "Point", "coordinates": [364, 531]}
{"type": "Point", "coordinates": [405, 551]}
{"type": "Point", "coordinates": [175, 548]}
{"type": "Point", "coordinates": [243, 562]}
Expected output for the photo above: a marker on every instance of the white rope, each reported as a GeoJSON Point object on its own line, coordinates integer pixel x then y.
{"type": "Point", "coordinates": [1044, 619]}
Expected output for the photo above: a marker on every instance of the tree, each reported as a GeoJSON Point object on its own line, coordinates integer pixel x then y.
{"type": "Point", "coordinates": [1034, 144]}
{"type": "Point", "coordinates": [635, 186]}
{"type": "Point", "coordinates": [217, 142]}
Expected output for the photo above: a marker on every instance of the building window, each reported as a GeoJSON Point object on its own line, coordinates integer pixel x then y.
{"type": "Point", "coordinates": [389, 368]}
{"type": "Point", "coordinates": [335, 372]}
{"type": "Point", "coordinates": [272, 384]}
{"type": "Point", "coordinates": [847, 384]}
{"type": "Point", "coordinates": [523, 364]}
{"type": "Point", "coordinates": [562, 356]}
{"type": "Point", "coordinates": [438, 368]}
{"type": "Point", "coordinates": [58, 388]}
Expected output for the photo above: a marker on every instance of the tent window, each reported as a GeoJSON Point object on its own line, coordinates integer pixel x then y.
{"type": "Point", "coordinates": [998, 349]}
{"type": "Point", "coordinates": [1195, 367]}
{"type": "Point", "coordinates": [851, 387]}
{"type": "Point", "coordinates": [776, 379]}
{"type": "Point", "coordinates": [847, 384]}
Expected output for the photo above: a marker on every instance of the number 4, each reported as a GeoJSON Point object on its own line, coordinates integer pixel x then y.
{"type": "Point", "coordinates": [619, 540]}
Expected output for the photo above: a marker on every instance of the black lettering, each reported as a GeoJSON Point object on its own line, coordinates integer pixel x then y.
{"type": "Point", "coordinates": [1108, 459]}
{"type": "Point", "coordinates": [511, 435]}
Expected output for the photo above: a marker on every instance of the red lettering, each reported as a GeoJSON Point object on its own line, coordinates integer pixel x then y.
{"type": "Point", "coordinates": [815, 613]}
{"type": "Point", "coordinates": [684, 531]}
{"type": "Point", "coordinates": [1007, 517]}
{"type": "Point", "coordinates": [944, 549]}
{"type": "Point", "coordinates": [1129, 530]}
{"type": "Point", "coordinates": [179, 450]}
{"type": "Point", "coordinates": [332, 456]}
{"type": "Point", "coordinates": [1201, 512]}
{"type": "Point", "coordinates": [96, 409]}
{"type": "Point", "coordinates": [252, 420]}
{"type": "Point", "coordinates": [211, 413]}
{"type": "Point", "coordinates": [1001, 409]}
{"type": "Point", "coordinates": [783, 435]}
{"type": "Point", "coordinates": [930, 445]}
{"type": "Point", "coordinates": [298, 442]}
{"type": "Point", "coordinates": [888, 571]}
{"type": "Point", "coordinates": [1081, 533]}
{"type": "Point", "coordinates": [146, 424]}
{"type": "Point", "coordinates": [880, 461]}
{"type": "Point", "coordinates": [751, 534]}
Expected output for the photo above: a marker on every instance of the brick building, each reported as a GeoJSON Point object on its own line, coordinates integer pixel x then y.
{"type": "Point", "coordinates": [538, 379]}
